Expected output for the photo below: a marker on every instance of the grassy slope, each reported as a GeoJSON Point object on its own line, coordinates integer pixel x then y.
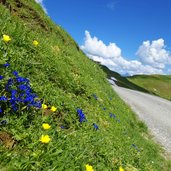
{"type": "Point", "coordinates": [64, 77]}
{"type": "Point", "coordinates": [122, 81]}
{"type": "Point", "coordinates": [157, 84]}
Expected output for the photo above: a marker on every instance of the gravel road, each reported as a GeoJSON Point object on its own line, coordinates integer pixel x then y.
{"type": "Point", "coordinates": [153, 110]}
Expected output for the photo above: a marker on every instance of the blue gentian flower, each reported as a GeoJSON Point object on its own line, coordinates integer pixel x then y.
{"type": "Point", "coordinates": [13, 92]}
{"type": "Point", "coordinates": [6, 65]}
{"type": "Point", "coordinates": [22, 95]}
{"type": "Point", "coordinates": [112, 115]}
{"type": "Point", "coordinates": [1, 77]}
{"type": "Point", "coordinates": [3, 98]}
{"type": "Point", "coordinates": [0, 110]}
{"type": "Point", "coordinates": [15, 73]}
{"type": "Point", "coordinates": [24, 87]}
{"type": "Point", "coordinates": [9, 84]}
{"type": "Point", "coordinates": [36, 104]}
{"type": "Point", "coordinates": [20, 79]}
{"type": "Point", "coordinates": [14, 107]}
{"type": "Point", "coordinates": [81, 115]}
{"type": "Point", "coordinates": [95, 126]}
{"type": "Point", "coordinates": [62, 127]}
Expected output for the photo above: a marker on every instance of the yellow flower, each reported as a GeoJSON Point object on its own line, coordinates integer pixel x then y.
{"type": "Point", "coordinates": [44, 106]}
{"type": "Point", "coordinates": [89, 167]}
{"type": "Point", "coordinates": [6, 38]}
{"type": "Point", "coordinates": [121, 168]}
{"type": "Point", "coordinates": [53, 109]}
{"type": "Point", "coordinates": [46, 126]}
{"type": "Point", "coordinates": [35, 42]}
{"type": "Point", "coordinates": [45, 139]}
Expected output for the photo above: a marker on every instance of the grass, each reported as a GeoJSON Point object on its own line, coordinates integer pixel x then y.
{"type": "Point", "coordinates": [156, 84]}
{"type": "Point", "coordinates": [159, 85]}
{"type": "Point", "coordinates": [62, 76]}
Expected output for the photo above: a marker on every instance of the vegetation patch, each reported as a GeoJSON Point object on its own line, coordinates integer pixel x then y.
{"type": "Point", "coordinates": [159, 85]}
{"type": "Point", "coordinates": [57, 110]}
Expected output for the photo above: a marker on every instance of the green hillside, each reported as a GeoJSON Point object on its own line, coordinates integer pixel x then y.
{"type": "Point", "coordinates": [159, 85]}
{"type": "Point", "coordinates": [156, 84]}
{"type": "Point", "coordinates": [57, 110]}
{"type": "Point", "coordinates": [122, 81]}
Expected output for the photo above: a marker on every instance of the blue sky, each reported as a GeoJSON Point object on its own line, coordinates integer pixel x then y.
{"type": "Point", "coordinates": [129, 36]}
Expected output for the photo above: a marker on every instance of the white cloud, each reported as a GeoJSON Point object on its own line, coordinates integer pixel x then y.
{"type": "Point", "coordinates": [110, 55]}
{"type": "Point", "coordinates": [154, 53]}
{"type": "Point", "coordinates": [41, 3]}
{"type": "Point", "coordinates": [125, 67]}
{"type": "Point", "coordinates": [97, 47]}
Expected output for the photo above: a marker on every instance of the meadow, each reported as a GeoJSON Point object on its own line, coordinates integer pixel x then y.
{"type": "Point", "coordinates": [159, 85]}
{"type": "Point", "coordinates": [57, 109]}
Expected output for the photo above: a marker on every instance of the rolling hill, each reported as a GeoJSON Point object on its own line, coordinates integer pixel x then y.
{"type": "Point", "coordinates": [159, 85]}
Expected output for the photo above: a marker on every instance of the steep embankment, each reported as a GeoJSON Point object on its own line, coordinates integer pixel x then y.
{"type": "Point", "coordinates": [106, 135]}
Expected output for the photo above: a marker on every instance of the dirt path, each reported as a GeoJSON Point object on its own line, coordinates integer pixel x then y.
{"type": "Point", "coordinates": [154, 111]}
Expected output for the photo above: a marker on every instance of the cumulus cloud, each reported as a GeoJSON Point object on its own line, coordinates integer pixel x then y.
{"type": "Point", "coordinates": [97, 47]}
{"type": "Point", "coordinates": [154, 53]}
{"type": "Point", "coordinates": [41, 3]}
{"type": "Point", "coordinates": [111, 56]}
{"type": "Point", "coordinates": [126, 67]}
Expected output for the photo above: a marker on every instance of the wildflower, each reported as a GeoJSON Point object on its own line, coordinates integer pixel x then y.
{"type": "Point", "coordinates": [6, 65]}
{"type": "Point", "coordinates": [112, 115]}
{"type": "Point", "coordinates": [6, 38]}
{"type": "Point", "coordinates": [15, 73]}
{"type": "Point", "coordinates": [3, 98]}
{"type": "Point", "coordinates": [1, 77]}
{"type": "Point", "coordinates": [121, 168]}
{"type": "Point", "coordinates": [0, 110]}
{"type": "Point", "coordinates": [21, 79]}
{"type": "Point", "coordinates": [95, 126]}
{"type": "Point", "coordinates": [37, 104]}
{"type": "Point", "coordinates": [46, 126]}
{"type": "Point", "coordinates": [44, 106]}
{"type": "Point", "coordinates": [45, 139]}
{"type": "Point", "coordinates": [89, 167]}
{"type": "Point", "coordinates": [62, 127]}
{"type": "Point", "coordinates": [35, 43]}
{"type": "Point", "coordinates": [53, 109]}
{"type": "Point", "coordinates": [81, 115]}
